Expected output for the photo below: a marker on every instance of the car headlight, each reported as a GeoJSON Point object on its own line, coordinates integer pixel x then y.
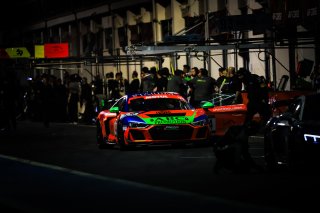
{"type": "Point", "coordinates": [201, 122]}
{"type": "Point", "coordinates": [137, 125]}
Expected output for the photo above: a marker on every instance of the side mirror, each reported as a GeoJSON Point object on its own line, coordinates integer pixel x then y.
{"type": "Point", "coordinates": [114, 109]}
{"type": "Point", "coordinates": [207, 105]}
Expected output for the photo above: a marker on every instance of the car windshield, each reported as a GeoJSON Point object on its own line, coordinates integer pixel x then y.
{"type": "Point", "coordinates": [141, 104]}
{"type": "Point", "coordinates": [223, 99]}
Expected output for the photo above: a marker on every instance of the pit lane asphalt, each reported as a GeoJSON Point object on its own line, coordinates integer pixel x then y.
{"type": "Point", "coordinates": [31, 186]}
{"type": "Point", "coordinates": [28, 186]}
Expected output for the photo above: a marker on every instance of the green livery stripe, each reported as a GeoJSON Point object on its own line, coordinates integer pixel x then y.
{"type": "Point", "coordinates": [169, 120]}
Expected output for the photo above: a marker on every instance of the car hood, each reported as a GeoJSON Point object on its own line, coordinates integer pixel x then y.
{"type": "Point", "coordinates": [168, 117]}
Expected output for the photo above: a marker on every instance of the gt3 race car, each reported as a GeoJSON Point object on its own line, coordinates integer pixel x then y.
{"type": "Point", "coordinates": [152, 118]}
{"type": "Point", "coordinates": [226, 114]}
{"type": "Point", "coordinates": [292, 139]}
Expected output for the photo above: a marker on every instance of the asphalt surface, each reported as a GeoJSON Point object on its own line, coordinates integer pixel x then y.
{"type": "Point", "coordinates": [28, 186]}
{"type": "Point", "coordinates": [50, 170]}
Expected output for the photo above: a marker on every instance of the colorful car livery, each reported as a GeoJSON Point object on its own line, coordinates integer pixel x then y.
{"type": "Point", "coordinates": [152, 118]}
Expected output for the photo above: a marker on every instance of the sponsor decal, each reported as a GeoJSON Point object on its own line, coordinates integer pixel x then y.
{"type": "Point", "coordinates": [163, 112]}
{"type": "Point", "coordinates": [171, 128]}
{"type": "Point", "coordinates": [170, 120]}
{"type": "Point", "coordinates": [109, 114]}
{"type": "Point", "coordinates": [127, 114]}
{"type": "Point", "coordinates": [229, 108]}
{"type": "Point", "coordinates": [156, 96]}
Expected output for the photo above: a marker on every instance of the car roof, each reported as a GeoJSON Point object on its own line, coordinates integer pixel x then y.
{"type": "Point", "coordinates": [151, 95]}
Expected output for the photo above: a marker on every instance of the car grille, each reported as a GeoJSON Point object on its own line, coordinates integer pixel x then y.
{"type": "Point", "coordinates": [137, 135]}
{"type": "Point", "coordinates": [181, 132]}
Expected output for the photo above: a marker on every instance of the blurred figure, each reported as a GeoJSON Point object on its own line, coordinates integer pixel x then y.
{"type": "Point", "coordinates": [47, 99]}
{"type": "Point", "coordinates": [234, 86]}
{"type": "Point", "coordinates": [162, 80]}
{"type": "Point", "coordinates": [204, 86]}
{"type": "Point", "coordinates": [97, 85]}
{"type": "Point", "coordinates": [98, 92]}
{"type": "Point", "coordinates": [232, 150]}
{"type": "Point", "coordinates": [123, 84]}
{"type": "Point", "coordinates": [175, 82]}
{"type": "Point", "coordinates": [111, 87]}
{"type": "Point", "coordinates": [134, 86]}
{"type": "Point", "coordinates": [221, 79]}
{"type": "Point", "coordinates": [107, 90]}
{"type": "Point", "coordinates": [258, 97]}
{"type": "Point", "coordinates": [186, 69]}
{"type": "Point", "coordinates": [231, 88]}
{"type": "Point", "coordinates": [193, 73]}
{"type": "Point", "coordinates": [8, 94]}
{"type": "Point", "coordinates": [86, 100]}
{"type": "Point", "coordinates": [74, 98]}
{"type": "Point", "coordinates": [147, 80]}
{"type": "Point", "coordinates": [61, 98]}
{"type": "Point", "coordinates": [185, 79]}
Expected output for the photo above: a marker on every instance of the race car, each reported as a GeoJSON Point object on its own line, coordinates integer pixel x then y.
{"type": "Point", "coordinates": [152, 118]}
{"type": "Point", "coordinates": [226, 114]}
{"type": "Point", "coordinates": [292, 139]}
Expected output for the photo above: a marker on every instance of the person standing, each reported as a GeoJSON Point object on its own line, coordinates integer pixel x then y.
{"type": "Point", "coordinates": [186, 69]}
{"type": "Point", "coordinates": [134, 86]}
{"type": "Point", "coordinates": [234, 86]}
{"type": "Point", "coordinates": [147, 80]}
{"type": "Point", "coordinates": [47, 99]}
{"type": "Point", "coordinates": [204, 87]}
{"type": "Point", "coordinates": [231, 88]}
{"type": "Point", "coordinates": [112, 92]}
{"type": "Point", "coordinates": [61, 98]}
{"type": "Point", "coordinates": [258, 97]}
{"type": "Point", "coordinates": [221, 80]}
{"type": "Point", "coordinates": [175, 82]}
{"type": "Point", "coordinates": [162, 79]}
{"type": "Point", "coordinates": [122, 84]}
{"type": "Point", "coordinates": [86, 100]}
{"type": "Point", "coordinates": [193, 74]}
{"type": "Point", "coordinates": [74, 96]}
